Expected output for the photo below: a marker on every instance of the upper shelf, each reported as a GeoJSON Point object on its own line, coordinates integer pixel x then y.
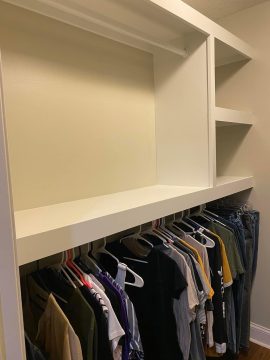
{"type": "Point", "coordinates": [225, 117]}
{"type": "Point", "coordinates": [146, 24]}
{"type": "Point", "coordinates": [44, 231]}
{"type": "Point", "coordinates": [226, 54]}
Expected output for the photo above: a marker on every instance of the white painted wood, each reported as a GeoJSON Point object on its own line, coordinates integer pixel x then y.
{"type": "Point", "coordinates": [11, 315]}
{"type": "Point", "coordinates": [2, 341]}
{"type": "Point", "coordinates": [225, 54]}
{"type": "Point", "coordinates": [231, 180]}
{"type": "Point", "coordinates": [225, 117]}
{"type": "Point", "coordinates": [51, 229]}
{"type": "Point", "coordinates": [233, 150]}
{"type": "Point", "coordinates": [97, 135]}
{"type": "Point", "coordinates": [221, 8]}
{"type": "Point", "coordinates": [207, 26]}
{"type": "Point", "coordinates": [90, 19]}
{"type": "Point", "coordinates": [248, 88]}
{"type": "Point", "coordinates": [120, 21]}
{"type": "Point", "coordinates": [211, 109]}
{"type": "Point", "coordinates": [185, 136]}
{"type": "Point", "coordinates": [177, 81]}
{"type": "Point", "coordinates": [260, 335]}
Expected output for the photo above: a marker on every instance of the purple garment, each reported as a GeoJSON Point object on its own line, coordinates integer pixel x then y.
{"type": "Point", "coordinates": [106, 278]}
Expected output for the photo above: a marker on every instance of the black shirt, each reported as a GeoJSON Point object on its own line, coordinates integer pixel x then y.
{"type": "Point", "coordinates": [153, 303]}
{"type": "Point", "coordinates": [103, 344]}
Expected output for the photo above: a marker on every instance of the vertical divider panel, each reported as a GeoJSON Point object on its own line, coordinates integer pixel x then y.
{"type": "Point", "coordinates": [211, 108]}
{"type": "Point", "coordinates": [181, 115]}
{"type": "Point", "coordinates": [11, 317]}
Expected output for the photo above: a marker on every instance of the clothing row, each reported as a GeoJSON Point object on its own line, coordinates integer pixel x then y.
{"type": "Point", "coordinates": [72, 314]}
{"type": "Point", "coordinates": [197, 274]}
{"type": "Point", "coordinates": [180, 290]}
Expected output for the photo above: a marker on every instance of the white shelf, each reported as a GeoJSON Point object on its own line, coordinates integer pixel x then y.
{"type": "Point", "coordinates": [226, 54]}
{"type": "Point", "coordinates": [44, 231]}
{"type": "Point", "coordinates": [227, 117]}
{"type": "Point", "coordinates": [246, 182]}
{"type": "Point", "coordinates": [160, 23]}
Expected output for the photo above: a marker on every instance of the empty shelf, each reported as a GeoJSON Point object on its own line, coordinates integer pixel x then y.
{"type": "Point", "coordinates": [226, 117]}
{"type": "Point", "coordinates": [47, 230]}
{"type": "Point", "coordinates": [245, 182]}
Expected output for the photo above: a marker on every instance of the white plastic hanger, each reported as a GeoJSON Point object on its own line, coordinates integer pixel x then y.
{"type": "Point", "coordinates": [214, 217]}
{"type": "Point", "coordinates": [138, 280]}
{"type": "Point", "coordinates": [90, 262]}
{"type": "Point", "coordinates": [181, 220]}
{"type": "Point", "coordinates": [208, 241]}
{"type": "Point", "coordinates": [137, 236]}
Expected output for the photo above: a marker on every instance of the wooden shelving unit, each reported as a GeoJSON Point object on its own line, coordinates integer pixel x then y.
{"type": "Point", "coordinates": [47, 69]}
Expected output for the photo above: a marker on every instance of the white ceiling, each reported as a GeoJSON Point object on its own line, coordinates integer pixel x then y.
{"type": "Point", "coordinates": [216, 9]}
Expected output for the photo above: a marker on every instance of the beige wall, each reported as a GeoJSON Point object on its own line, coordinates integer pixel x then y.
{"type": "Point", "coordinates": [249, 88]}
{"type": "Point", "coordinates": [2, 350]}
{"type": "Point", "coordinates": [79, 109]}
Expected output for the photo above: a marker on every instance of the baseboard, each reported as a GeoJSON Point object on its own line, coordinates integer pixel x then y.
{"type": "Point", "coordinates": [260, 335]}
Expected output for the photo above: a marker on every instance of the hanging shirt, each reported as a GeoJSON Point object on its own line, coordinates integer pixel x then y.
{"type": "Point", "coordinates": [184, 307]}
{"type": "Point", "coordinates": [201, 250]}
{"type": "Point", "coordinates": [76, 308]}
{"type": "Point", "coordinates": [153, 303]}
{"type": "Point", "coordinates": [196, 255]}
{"type": "Point", "coordinates": [115, 330]}
{"type": "Point", "coordinates": [47, 324]}
{"type": "Point", "coordinates": [136, 352]}
{"type": "Point", "coordinates": [227, 276]}
{"type": "Point", "coordinates": [101, 313]}
{"type": "Point", "coordinates": [230, 243]}
{"type": "Point", "coordinates": [56, 335]}
{"type": "Point", "coordinates": [219, 326]}
{"type": "Point", "coordinates": [32, 351]}
{"type": "Point", "coordinates": [107, 280]}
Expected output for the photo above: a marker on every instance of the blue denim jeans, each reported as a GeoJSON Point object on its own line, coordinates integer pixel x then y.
{"type": "Point", "coordinates": [246, 228]}
{"type": "Point", "coordinates": [252, 220]}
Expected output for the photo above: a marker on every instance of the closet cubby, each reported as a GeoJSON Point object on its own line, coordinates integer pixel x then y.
{"type": "Point", "coordinates": [232, 143]}
{"type": "Point", "coordinates": [232, 115]}
{"type": "Point", "coordinates": [230, 70]}
{"type": "Point", "coordinates": [107, 113]}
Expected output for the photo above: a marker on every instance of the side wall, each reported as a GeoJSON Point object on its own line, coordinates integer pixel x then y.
{"type": "Point", "coordinates": [250, 89]}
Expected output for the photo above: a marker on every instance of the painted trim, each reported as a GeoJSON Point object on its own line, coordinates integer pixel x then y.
{"type": "Point", "coordinates": [260, 335]}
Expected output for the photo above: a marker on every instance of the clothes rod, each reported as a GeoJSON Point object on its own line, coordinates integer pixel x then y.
{"type": "Point", "coordinates": [71, 14]}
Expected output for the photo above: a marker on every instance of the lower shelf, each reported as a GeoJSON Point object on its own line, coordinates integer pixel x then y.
{"type": "Point", "coordinates": [44, 231]}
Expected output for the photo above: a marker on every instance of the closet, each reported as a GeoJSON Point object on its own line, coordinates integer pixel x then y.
{"type": "Point", "coordinates": [111, 117]}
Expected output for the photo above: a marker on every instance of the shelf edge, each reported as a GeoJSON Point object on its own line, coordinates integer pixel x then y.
{"type": "Point", "coordinates": [224, 115]}
{"type": "Point", "coordinates": [37, 246]}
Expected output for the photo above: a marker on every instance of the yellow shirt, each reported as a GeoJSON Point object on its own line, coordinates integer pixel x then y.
{"type": "Point", "coordinates": [198, 258]}
{"type": "Point", "coordinates": [227, 275]}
